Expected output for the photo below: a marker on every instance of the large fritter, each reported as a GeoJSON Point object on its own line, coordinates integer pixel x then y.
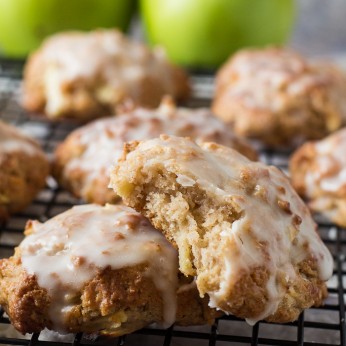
{"type": "Point", "coordinates": [97, 269]}
{"type": "Point", "coordinates": [239, 226]}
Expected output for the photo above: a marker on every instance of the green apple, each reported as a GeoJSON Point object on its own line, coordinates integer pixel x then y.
{"type": "Point", "coordinates": [24, 23]}
{"type": "Point", "coordinates": [203, 33]}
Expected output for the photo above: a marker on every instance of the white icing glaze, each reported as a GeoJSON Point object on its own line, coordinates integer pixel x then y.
{"type": "Point", "coordinates": [103, 139]}
{"type": "Point", "coordinates": [185, 180]}
{"type": "Point", "coordinates": [12, 140]}
{"type": "Point", "coordinates": [265, 234]}
{"type": "Point", "coordinates": [334, 183]}
{"type": "Point", "coordinates": [329, 171]}
{"type": "Point", "coordinates": [106, 57]}
{"type": "Point", "coordinates": [67, 251]}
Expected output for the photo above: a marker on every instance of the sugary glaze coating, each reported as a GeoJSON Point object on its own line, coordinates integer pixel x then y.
{"type": "Point", "coordinates": [87, 75]}
{"type": "Point", "coordinates": [280, 98]}
{"type": "Point", "coordinates": [83, 161]}
{"type": "Point", "coordinates": [318, 173]}
{"type": "Point", "coordinates": [238, 225]}
{"type": "Point", "coordinates": [96, 269]}
{"type": "Point", "coordinates": [23, 170]}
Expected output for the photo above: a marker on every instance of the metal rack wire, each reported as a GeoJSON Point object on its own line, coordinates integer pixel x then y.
{"type": "Point", "coordinates": [317, 326]}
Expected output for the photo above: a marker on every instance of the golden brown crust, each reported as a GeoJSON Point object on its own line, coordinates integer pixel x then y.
{"type": "Point", "coordinates": [20, 180]}
{"type": "Point", "coordinates": [23, 171]}
{"type": "Point", "coordinates": [125, 294]}
{"type": "Point", "coordinates": [88, 75]}
{"type": "Point", "coordinates": [21, 297]}
{"type": "Point", "coordinates": [279, 98]}
{"type": "Point", "coordinates": [229, 218]}
{"type": "Point", "coordinates": [306, 291]}
{"type": "Point", "coordinates": [108, 293]}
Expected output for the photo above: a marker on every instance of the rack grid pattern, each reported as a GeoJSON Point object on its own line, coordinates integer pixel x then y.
{"type": "Point", "coordinates": [317, 326]}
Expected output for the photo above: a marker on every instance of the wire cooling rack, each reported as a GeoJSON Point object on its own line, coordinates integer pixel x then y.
{"type": "Point", "coordinates": [317, 326]}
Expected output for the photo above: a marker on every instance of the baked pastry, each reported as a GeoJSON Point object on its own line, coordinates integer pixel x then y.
{"type": "Point", "coordinates": [280, 98]}
{"type": "Point", "coordinates": [87, 75]}
{"type": "Point", "coordinates": [97, 269]}
{"type": "Point", "coordinates": [239, 226]}
{"type": "Point", "coordinates": [23, 170]}
{"type": "Point", "coordinates": [82, 162]}
{"type": "Point", "coordinates": [318, 173]}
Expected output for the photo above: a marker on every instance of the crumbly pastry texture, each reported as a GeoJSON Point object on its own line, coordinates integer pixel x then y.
{"type": "Point", "coordinates": [87, 75]}
{"type": "Point", "coordinates": [23, 170]}
{"type": "Point", "coordinates": [318, 173]}
{"type": "Point", "coordinates": [279, 98]}
{"type": "Point", "coordinates": [83, 161]}
{"type": "Point", "coordinates": [97, 269]}
{"type": "Point", "coordinates": [239, 226]}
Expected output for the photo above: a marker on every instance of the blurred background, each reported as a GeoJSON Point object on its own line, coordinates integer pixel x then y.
{"type": "Point", "coordinates": [320, 27]}
{"type": "Point", "coordinates": [195, 33]}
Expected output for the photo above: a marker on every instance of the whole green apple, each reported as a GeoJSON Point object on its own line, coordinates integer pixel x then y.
{"type": "Point", "coordinates": [24, 23]}
{"type": "Point", "coordinates": [203, 33]}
